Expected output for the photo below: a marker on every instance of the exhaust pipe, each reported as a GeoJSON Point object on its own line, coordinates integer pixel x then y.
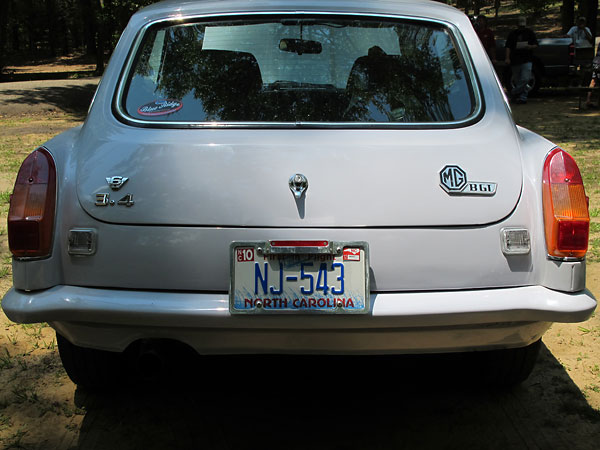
{"type": "Point", "coordinates": [150, 362]}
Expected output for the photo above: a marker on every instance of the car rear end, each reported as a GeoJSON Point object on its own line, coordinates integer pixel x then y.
{"type": "Point", "coordinates": [342, 180]}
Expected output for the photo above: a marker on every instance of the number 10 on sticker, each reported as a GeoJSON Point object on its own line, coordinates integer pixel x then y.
{"type": "Point", "coordinates": [244, 254]}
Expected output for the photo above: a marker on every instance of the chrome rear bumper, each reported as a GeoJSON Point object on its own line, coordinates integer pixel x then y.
{"type": "Point", "coordinates": [398, 322]}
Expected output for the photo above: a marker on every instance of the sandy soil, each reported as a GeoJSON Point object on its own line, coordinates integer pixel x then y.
{"type": "Point", "coordinates": [71, 63]}
{"type": "Point", "coordinates": [249, 404]}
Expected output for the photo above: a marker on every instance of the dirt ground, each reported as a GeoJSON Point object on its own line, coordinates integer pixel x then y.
{"type": "Point", "coordinates": [70, 63]}
{"type": "Point", "coordinates": [255, 403]}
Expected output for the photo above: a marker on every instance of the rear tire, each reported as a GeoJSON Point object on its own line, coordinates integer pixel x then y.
{"type": "Point", "coordinates": [509, 367]}
{"type": "Point", "coordinates": [91, 368]}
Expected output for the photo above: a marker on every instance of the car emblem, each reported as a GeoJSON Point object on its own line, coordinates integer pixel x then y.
{"type": "Point", "coordinates": [298, 185]}
{"type": "Point", "coordinates": [117, 182]}
{"type": "Point", "coordinates": [454, 180]}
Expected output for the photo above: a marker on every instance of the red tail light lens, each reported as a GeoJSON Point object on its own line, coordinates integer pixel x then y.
{"type": "Point", "coordinates": [566, 216]}
{"type": "Point", "coordinates": [571, 53]}
{"type": "Point", "coordinates": [32, 204]}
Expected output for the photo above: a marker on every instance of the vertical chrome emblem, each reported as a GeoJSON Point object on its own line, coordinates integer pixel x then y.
{"type": "Point", "coordinates": [298, 185]}
{"type": "Point", "coordinates": [116, 183]}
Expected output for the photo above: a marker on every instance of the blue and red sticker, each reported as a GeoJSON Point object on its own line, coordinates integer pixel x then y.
{"type": "Point", "coordinates": [160, 107]}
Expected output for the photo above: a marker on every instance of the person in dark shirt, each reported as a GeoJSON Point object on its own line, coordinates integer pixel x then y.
{"type": "Point", "coordinates": [486, 36]}
{"type": "Point", "coordinates": [595, 78]}
{"type": "Point", "coordinates": [519, 55]}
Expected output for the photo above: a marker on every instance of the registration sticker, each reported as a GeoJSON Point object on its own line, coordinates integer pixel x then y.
{"type": "Point", "coordinates": [244, 254]}
{"type": "Point", "coordinates": [352, 254]}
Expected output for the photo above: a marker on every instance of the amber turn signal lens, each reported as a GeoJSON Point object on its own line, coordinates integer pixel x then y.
{"type": "Point", "coordinates": [566, 216]}
{"type": "Point", "coordinates": [32, 204]}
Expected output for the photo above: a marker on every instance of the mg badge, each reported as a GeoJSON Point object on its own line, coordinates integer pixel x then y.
{"type": "Point", "coordinates": [298, 185]}
{"type": "Point", "coordinates": [116, 183]}
{"type": "Point", "coordinates": [454, 181]}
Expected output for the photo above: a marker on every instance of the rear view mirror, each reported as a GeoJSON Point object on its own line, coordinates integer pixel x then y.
{"type": "Point", "coordinates": [300, 46]}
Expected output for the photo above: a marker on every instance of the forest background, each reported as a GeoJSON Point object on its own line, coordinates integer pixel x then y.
{"type": "Point", "coordinates": [35, 30]}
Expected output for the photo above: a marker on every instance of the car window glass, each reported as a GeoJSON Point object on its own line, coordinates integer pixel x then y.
{"type": "Point", "coordinates": [299, 70]}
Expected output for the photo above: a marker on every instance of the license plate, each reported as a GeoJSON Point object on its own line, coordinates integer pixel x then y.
{"type": "Point", "coordinates": [299, 276]}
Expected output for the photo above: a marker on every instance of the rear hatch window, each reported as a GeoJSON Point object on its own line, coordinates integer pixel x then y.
{"type": "Point", "coordinates": [299, 69]}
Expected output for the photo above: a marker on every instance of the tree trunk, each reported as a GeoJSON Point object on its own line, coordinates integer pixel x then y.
{"type": "Point", "coordinates": [109, 24]}
{"type": "Point", "coordinates": [100, 35]}
{"type": "Point", "coordinates": [464, 4]}
{"type": "Point", "coordinates": [32, 30]}
{"type": "Point", "coordinates": [567, 15]}
{"type": "Point", "coordinates": [590, 11]}
{"type": "Point", "coordinates": [3, 33]}
{"type": "Point", "coordinates": [16, 38]}
{"type": "Point", "coordinates": [88, 17]}
{"type": "Point", "coordinates": [52, 31]}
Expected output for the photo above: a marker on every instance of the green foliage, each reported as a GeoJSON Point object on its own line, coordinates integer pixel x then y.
{"type": "Point", "coordinates": [40, 28]}
{"type": "Point", "coordinates": [533, 8]}
{"type": "Point", "coordinates": [5, 197]}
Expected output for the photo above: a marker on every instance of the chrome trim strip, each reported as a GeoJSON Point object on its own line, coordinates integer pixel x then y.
{"type": "Point", "coordinates": [455, 35]}
{"type": "Point", "coordinates": [564, 259]}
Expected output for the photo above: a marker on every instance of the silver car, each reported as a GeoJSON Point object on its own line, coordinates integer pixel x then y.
{"type": "Point", "coordinates": [298, 177]}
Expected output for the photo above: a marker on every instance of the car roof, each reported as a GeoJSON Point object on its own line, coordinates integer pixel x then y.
{"type": "Point", "coordinates": [417, 8]}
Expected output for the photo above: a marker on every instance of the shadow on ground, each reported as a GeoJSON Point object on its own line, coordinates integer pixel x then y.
{"type": "Point", "coordinates": [70, 98]}
{"type": "Point", "coordinates": [257, 403]}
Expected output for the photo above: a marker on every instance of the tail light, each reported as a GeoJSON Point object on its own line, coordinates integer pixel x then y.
{"type": "Point", "coordinates": [571, 54]}
{"type": "Point", "coordinates": [32, 204]}
{"type": "Point", "coordinates": [566, 216]}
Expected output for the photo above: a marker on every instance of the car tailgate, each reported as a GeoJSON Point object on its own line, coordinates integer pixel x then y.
{"type": "Point", "coordinates": [356, 178]}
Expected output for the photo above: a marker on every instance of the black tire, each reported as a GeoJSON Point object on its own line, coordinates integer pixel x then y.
{"type": "Point", "coordinates": [91, 368]}
{"type": "Point", "coordinates": [508, 367]}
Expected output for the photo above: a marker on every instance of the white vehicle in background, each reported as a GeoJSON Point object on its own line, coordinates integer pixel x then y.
{"type": "Point", "coordinates": [298, 177]}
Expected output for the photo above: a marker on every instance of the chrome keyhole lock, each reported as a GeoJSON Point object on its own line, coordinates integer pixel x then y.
{"type": "Point", "coordinates": [298, 185]}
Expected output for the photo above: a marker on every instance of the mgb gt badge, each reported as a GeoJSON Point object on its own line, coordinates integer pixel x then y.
{"type": "Point", "coordinates": [454, 181]}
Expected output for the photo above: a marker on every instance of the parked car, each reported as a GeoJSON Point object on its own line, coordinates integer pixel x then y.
{"type": "Point", "coordinates": [298, 177]}
{"type": "Point", "coordinates": [556, 61]}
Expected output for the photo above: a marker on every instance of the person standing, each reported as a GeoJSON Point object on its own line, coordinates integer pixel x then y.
{"type": "Point", "coordinates": [583, 42]}
{"type": "Point", "coordinates": [486, 36]}
{"type": "Point", "coordinates": [519, 56]}
{"type": "Point", "coordinates": [595, 78]}
{"type": "Point", "coordinates": [581, 35]}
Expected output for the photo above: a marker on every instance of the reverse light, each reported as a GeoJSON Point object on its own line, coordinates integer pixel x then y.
{"type": "Point", "coordinates": [566, 216]}
{"type": "Point", "coordinates": [515, 241]}
{"type": "Point", "coordinates": [32, 204]}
